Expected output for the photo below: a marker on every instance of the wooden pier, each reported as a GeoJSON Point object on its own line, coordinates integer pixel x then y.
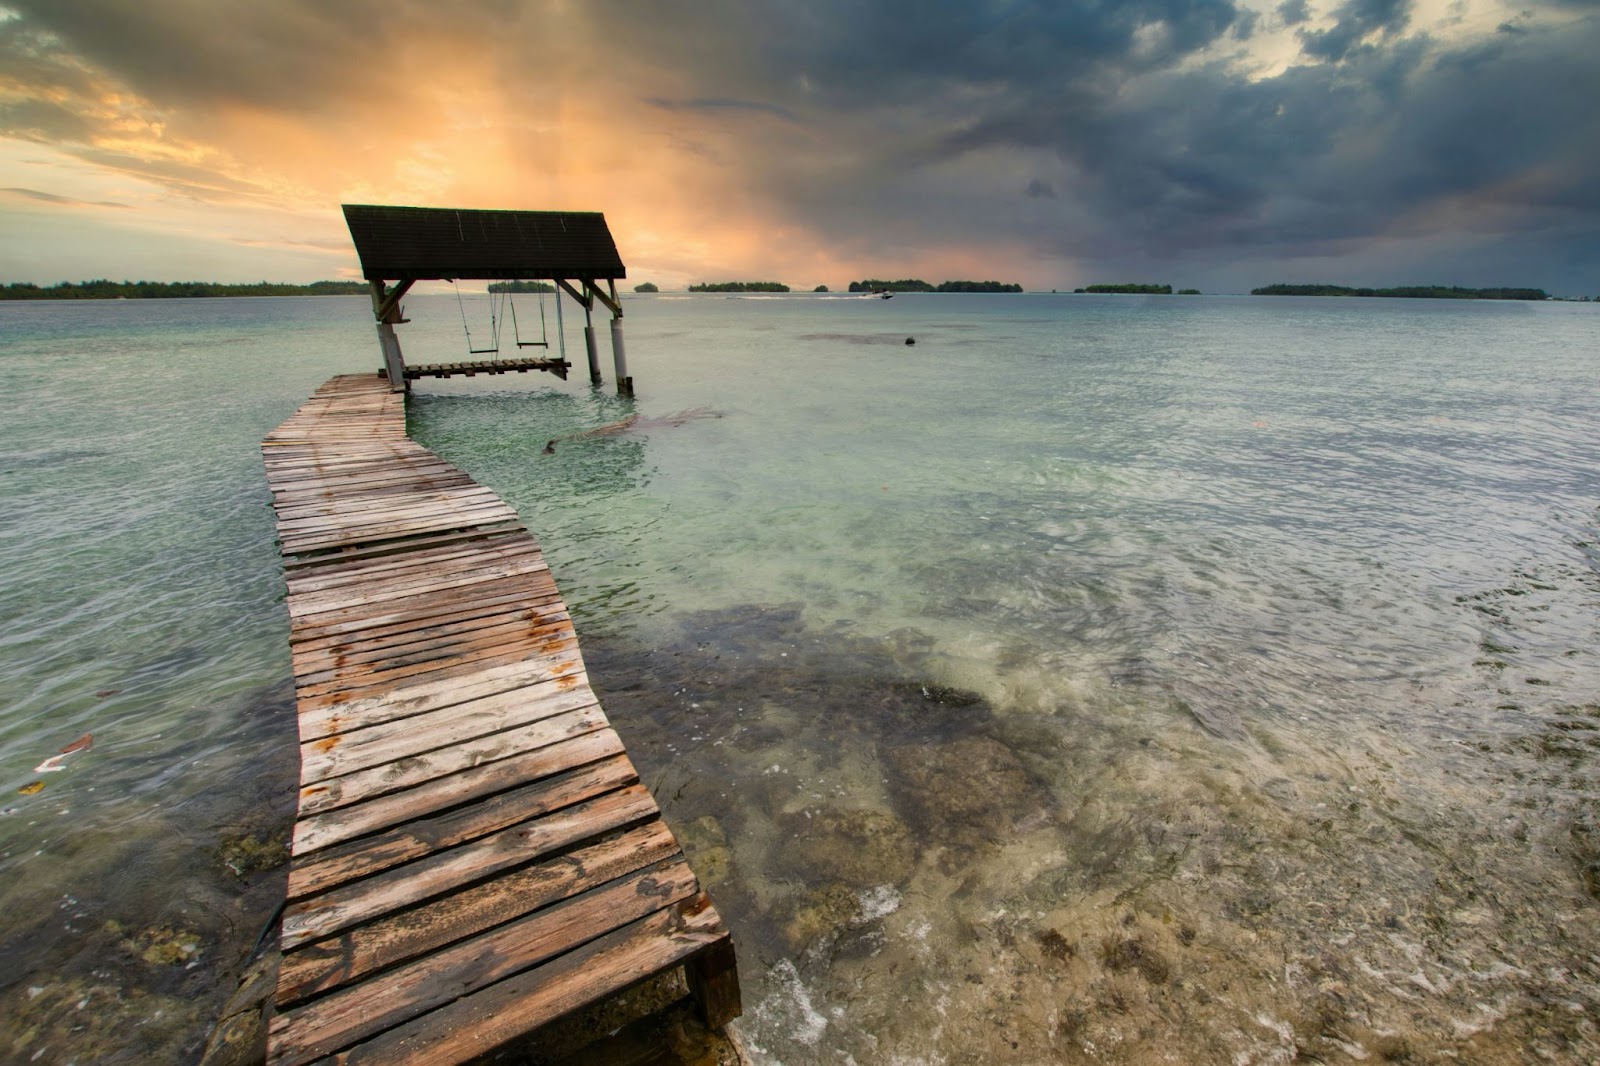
{"type": "Point", "coordinates": [474, 855]}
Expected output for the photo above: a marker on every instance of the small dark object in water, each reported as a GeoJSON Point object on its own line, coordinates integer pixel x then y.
{"type": "Point", "coordinates": [911, 340]}
{"type": "Point", "coordinates": [550, 448]}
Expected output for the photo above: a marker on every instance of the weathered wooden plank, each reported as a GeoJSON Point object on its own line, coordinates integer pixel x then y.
{"type": "Point", "coordinates": [366, 487]}
{"type": "Point", "coordinates": [363, 648]}
{"type": "Point", "coordinates": [300, 563]}
{"type": "Point", "coordinates": [533, 635]}
{"type": "Point", "coordinates": [349, 956]}
{"type": "Point", "coordinates": [473, 1025]}
{"type": "Point", "coordinates": [563, 660]}
{"type": "Point", "coordinates": [348, 513]}
{"type": "Point", "coordinates": [436, 781]}
{"type": "Point", "coordinates": [398, 502]}
{"type": "Point", "coordinates": [407, 584]}
{"type": "Point", "coordinates": [558, 655]}
{"type": "Point", "coordinates": [296, 543]}
{"type": "Point", "coordinates": [401, 758]}
{"type": "Point", "coordinates": [442, 621]}
{"type": "Point", "coordinates": [343, 1017]}
{"type": "Point", "coordinates": [537, 587]}
{"type": "Point", "coordinates": [466, 556]}
{"type": "Point", "coordinates": [459, 726]}
{"type": "Point", "coordinates": [356, 528]}
{"type": "Point", "coordinates": [594, 795]}
{"type": "Point", "coordinates": [329, 651]}
{"type": "Point", "coordinates": [325, 717]}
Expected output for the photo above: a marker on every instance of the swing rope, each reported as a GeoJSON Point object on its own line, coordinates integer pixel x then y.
{"type": "Point", "coordinates": [544, 330]}
{"type": "Point", "coordinates": [494, 324]}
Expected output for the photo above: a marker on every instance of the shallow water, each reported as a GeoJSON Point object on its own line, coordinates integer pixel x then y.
{"type": "Point", "coordinates": [1101, 678]}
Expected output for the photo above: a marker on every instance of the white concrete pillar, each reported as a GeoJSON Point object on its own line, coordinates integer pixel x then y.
{"type": "Point", "coordinates": [619, 356]}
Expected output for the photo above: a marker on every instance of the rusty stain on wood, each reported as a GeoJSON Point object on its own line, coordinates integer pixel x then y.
{"type": "Point", "coordinates": [474, 854]}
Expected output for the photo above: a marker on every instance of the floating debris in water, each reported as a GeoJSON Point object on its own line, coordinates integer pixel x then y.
{"type": "Point", "coordinates": [31, 788]}
{"type": "Point", "coordinates": [57, 763]}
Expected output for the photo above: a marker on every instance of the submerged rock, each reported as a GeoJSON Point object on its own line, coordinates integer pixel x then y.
{"type": "Point", "coordinates": [859, 848]}
{"type": "Point", "coordinates": [706, 846]}
{"type": "Point", "coordinates": [819, 913]}
{"type": "Point", "coordinates": [968, 791]}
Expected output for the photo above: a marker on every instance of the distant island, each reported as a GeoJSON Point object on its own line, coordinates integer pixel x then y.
{"type": "Point", "coordinates": [521, 286]}
{"type": "Point", "coordinates": [167, 290]}
{"type": "Point", "coordinates": [918, 285]}
{"type": "Point", "coordinates": [1412, 292]}
{"type": "Point", "coordinates": [646, 286]}
{"type": "Point", "coordinates": [1135, 288]}
{"type": "Point", "coordinates": [739, 286]}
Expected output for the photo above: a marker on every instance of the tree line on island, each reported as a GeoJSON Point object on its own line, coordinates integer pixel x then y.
{"type": "Point", "coordinates": [739, 286]}
{"type": "Point", "coordinates": [868, 286]}
{"type": "Point", "coordinates": [521, 286]}
{"type": "Point", "coordinates": [918, 285]}
{"type": "Point", "coordinates": [1413, 292]}
{"type": "Point", "coordinates": [103, 289]}
{"type": "Point", "coordinates": [1137, 288]}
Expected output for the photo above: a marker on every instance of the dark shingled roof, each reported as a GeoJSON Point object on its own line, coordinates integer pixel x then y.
{"type": "Point", "coordinates": [443, 242]}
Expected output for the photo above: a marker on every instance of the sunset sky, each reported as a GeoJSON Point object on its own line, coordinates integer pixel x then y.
{"type": "Point", "coordinates": [1204, 143]}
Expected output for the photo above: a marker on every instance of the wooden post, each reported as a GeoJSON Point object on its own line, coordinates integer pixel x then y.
{"type": "Point", "coordinates": [386, 309]}
{"type": "Point", "coordinates": [588, 340]}
{"type": "Point", "coordinates": [713, 976]}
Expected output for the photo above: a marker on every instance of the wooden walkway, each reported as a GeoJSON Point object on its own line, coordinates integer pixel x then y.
{"type": "Point", "coordinates": [475, 367]}
{"type": "Point", "coordinates": [474, 855]}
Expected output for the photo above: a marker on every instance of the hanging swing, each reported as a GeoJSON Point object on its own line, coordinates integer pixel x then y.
{"type": "Point", "coordinates": [494, 324]}
{"type": "Point", "coordinates": [544, 329]}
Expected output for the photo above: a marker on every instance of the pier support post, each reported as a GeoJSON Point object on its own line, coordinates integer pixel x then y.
{"type": "Point", "coordinates": [594, 353]}
{"type": "Point", "coordinates": [588, 334]}
{"type": "Point", "coordinates": [713, 977]}
{"type": "Point", "coordinates": [386, 309]}
{"type": "Point", "coordinates": [619, 355]}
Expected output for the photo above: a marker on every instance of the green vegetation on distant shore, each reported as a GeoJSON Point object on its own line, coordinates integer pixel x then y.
{"type": "Point", "coordinates": [740, 286]}
{"type": "Point", "coordinates": [1131, 287]}
{"type": "Point", "coordinates": [646, 286]}
{"type": "Point", "coordinates": [159, 290]}
{"type": "Point", "coordinates": [903, 285]}
{"type": "Point", "coordinates": [1413, 292]}
{"type": "Point", "coordinates": [521, 286]}
{"type": "Point", "coordinates": [918, 285]}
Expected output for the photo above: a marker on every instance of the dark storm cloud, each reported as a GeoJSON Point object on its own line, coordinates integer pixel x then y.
{"type": "Point", "coordinates": [1375, 133]}
{"type": "Point", "coordinates": [1294, 12]}
{"type": "Point", "coordinates": [1356, 21]}
{"type": "Point", "coordinates": [290, 55]}
{"type": "Point", "coordinates": [1039, 190]}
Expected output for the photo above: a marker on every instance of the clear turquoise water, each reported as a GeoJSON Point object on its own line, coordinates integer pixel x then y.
{"type": "Point", "coordinates": [1257, 634]}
